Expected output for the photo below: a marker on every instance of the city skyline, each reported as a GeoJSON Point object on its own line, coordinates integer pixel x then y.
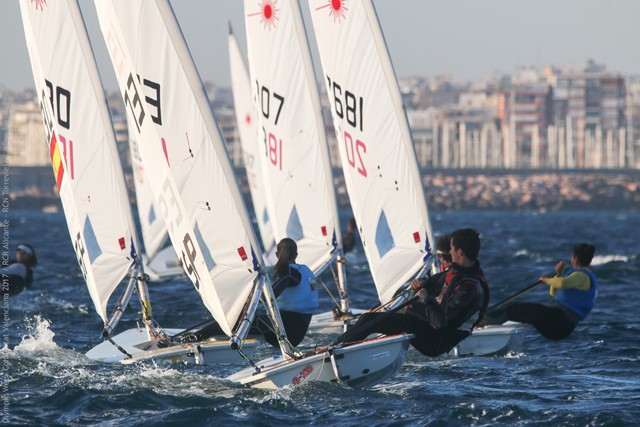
{"type": "Point", "coordinates": [495, 36]}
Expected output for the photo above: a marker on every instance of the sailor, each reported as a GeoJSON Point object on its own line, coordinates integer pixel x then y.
{"type": "Point", "coordinates": [294, 286]}
{"type": "Point", "coordinates": [18, 274]}
{"type": "Point", "coordinates": [450, 303]}
{"type": "Point", "coordinates": [574, 291]}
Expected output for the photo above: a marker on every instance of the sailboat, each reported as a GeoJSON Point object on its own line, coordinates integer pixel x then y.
{"type": "Point", "coordinates": [180, 142]}
{"type": "Point", "coordinates": [377, 153]}
{"type": "Point", "coordinates": [294, 153]}
{"type": "Point", "coordinates": [83, 155]}
{"type": "Point", "coordinates": [248, 133]}
{"type": "Point", "coordinates": [91, 184]}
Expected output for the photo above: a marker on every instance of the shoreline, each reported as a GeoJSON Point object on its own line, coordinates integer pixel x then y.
{"type": "Point", "coordinates": [450, 189]}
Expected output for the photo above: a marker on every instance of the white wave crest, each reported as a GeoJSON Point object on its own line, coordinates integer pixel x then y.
{"type": "Point", "coordinates": [39, 338]}
{"type": "Point", "coordinates": [605, 259]}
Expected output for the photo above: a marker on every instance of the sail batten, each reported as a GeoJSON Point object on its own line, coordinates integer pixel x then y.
{"type": "Point", "coordinates": [82, 146]}
{"type": "Point", "coordinates": [374, 140]}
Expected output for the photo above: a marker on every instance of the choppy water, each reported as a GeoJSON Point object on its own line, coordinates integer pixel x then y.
{"type": "Point", "coordinates": [589, 379]}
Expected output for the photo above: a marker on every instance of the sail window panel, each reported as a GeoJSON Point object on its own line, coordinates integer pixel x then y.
{"type": "Point", "coordinates": [384, 238]}
{"type": "Point", "coordinates": [206, 253]}
{"type": "Point", "coordinates": [294, 226]}
{"type": "Point", "coordinates": [152, 215]}
{"type": "Point", "coordinates": [90, 240]}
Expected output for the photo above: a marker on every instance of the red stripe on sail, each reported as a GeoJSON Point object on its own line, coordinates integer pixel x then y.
{"type": "Point", "coordinates": [164, 149]}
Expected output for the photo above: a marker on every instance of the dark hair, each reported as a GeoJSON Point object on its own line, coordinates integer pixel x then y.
{"type": "Point", "coordinates": [584, 253]}
{"type": "Point", "coordinates": [287, 251]}
{"type": "Point", "coordinates": [443, 247]}
{"type": "Point", "coordinates": [468, 240]}
{"type": "Point", "coordinates": [33, 259]}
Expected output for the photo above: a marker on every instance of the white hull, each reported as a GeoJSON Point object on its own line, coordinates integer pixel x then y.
{"type": "Point", "coordinates": [136, 343]}
{"type": "Point", "coordinates": [164, 265]}
{"type": "Point", "coordinates": [492, 340]}
{"type": "Point", "coordinates": [325, 323]}
{"type": "Point", "coordinates": [359, 365]}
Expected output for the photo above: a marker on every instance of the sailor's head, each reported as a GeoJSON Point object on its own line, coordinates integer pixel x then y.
{"type": "Point", "coordinates": [26, 255]}
{"type": "Point", "coordinates": [287, 249]}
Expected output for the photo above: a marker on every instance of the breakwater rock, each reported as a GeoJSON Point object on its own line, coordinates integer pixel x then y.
{"type": "Point", "coordinates": [539, 191]}
{"type": "Point", "coordinates": [526, 190]}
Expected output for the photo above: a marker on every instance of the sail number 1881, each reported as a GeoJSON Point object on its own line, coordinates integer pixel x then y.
{"type": "Point", "coordinates": [349, 107]}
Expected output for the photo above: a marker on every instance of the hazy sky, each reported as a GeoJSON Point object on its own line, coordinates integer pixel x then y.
{"type": "Point", "coordinates": [465, 38]}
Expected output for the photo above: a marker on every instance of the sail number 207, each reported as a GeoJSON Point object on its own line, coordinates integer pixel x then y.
{"type": "Point", "coordinates": [270, 104]}
{"type": "Point", "coordinates": [349, 107]}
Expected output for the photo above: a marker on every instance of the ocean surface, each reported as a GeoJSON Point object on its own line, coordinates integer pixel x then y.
{"type": "Point", "coordinates": [590, 379]}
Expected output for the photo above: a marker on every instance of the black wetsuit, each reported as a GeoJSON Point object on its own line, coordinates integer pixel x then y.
{"type": "Point", "coordinates": [457, 299]}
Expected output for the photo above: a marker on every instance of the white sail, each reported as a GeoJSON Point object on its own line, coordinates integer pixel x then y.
{"type": "Point", "coordinates": [82, 145]}
{"type": "Point", "coordinates": [246, 124]}
{"type": "Point", "coordinates": [160, 257]}
{"type": "Point", "coordinates": [295, 158]}
{"type": "Point", "coordinates": [180, 144]}
{"type": "Point", "coordinates": [376, 149]}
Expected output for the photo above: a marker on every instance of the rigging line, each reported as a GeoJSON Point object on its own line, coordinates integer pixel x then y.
{"type": "Point", "coordinates": [120, 348]}
{"type": "Point", "coordinates": [248, 359]}
{"type": "Point", "coordinates": [328, 291]}
{"type": "Point", "coordinates": [335, 275]}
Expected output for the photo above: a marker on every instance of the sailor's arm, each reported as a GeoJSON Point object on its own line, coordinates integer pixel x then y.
{"type": "Point", "coordinates": [575, 280]}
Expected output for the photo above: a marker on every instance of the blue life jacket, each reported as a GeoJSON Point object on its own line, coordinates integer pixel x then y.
{"type": "Point", "coordinates": [576, 300]}
{"type": "Point", "coordinates": [302, 298]}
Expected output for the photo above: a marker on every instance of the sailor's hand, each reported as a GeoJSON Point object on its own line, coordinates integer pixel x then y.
{"type": "Point", "coordinates": [559, 268]}
{"type": "Point", "coordinates": [416, 284]}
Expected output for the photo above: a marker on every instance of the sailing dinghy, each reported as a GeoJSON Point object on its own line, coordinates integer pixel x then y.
{"type": "Point", "coordinates": [91, 183]}
{"type": "Point", "coordinates": [294, 153]}
{"type": "Point", "coordinates": [376, 148]}
{"type": "Point", "coordinates": [208, 224]}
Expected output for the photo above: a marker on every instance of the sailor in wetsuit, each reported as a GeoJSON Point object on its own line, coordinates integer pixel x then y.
{"type": "Point", "coordinates": [18, 274]}
{"type": "Point", "coordinates": [574, 293]}
{"type": "Point", "coordinates": [294, 286]}
{"type": "Point", "coordinates": [450, 303]}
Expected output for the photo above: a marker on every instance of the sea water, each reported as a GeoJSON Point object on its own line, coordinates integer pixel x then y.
{"type": "Point", "coordinates": [591, 378]}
